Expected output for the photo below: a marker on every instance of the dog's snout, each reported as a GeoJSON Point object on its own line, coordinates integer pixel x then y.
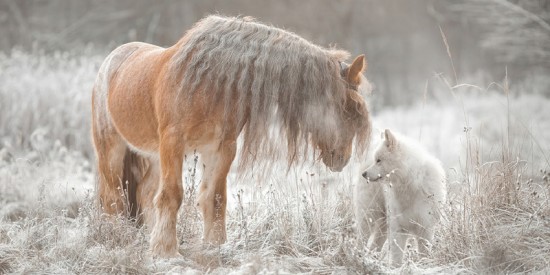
{"type": "Point", "coordinates": [364, 175]}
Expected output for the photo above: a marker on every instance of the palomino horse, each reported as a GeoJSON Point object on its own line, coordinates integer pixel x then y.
{"type": "Point", "coordinates": [224, 78]}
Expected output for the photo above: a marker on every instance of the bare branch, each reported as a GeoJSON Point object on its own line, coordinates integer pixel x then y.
{"type": "Point", "coordinates": [524, 12]}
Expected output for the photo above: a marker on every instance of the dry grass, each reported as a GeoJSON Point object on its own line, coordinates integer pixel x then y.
{"type": "Point", "coordinates": [494, 146]}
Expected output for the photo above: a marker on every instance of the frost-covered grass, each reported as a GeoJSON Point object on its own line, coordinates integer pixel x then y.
{"type": "Point", "coordinates": [495, 148]}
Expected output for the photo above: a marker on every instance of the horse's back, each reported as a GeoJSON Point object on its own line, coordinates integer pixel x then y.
{"type": "Point", "coordinates": [123, 93]}
{"type": "Point", "coordinates": [113, 62]}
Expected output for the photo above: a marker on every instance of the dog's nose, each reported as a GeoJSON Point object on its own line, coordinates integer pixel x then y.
{"type": "Point", "coordinates": [365, 175]}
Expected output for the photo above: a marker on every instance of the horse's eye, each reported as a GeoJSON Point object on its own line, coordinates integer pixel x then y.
{"type": "Point", "coordinates": [378, 160]}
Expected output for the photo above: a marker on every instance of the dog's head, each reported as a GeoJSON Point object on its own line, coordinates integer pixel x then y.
{"type": "Point", "coordinates": [385, 158]}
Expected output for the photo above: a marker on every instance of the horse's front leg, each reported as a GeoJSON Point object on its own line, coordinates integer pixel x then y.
{"type": "Point", "coordinates": [213, 191]}
{"type": "Point", "coordinates": [169, 195]}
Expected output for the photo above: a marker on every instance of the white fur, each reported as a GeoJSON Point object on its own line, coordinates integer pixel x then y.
{"type": "Point", "coordinates": [400, 196]}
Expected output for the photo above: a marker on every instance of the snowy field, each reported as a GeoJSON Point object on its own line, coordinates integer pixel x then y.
{"type": "Point", "coordinates": [494, 143]}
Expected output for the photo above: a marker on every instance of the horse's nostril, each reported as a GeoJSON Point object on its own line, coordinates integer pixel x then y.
{"type": "Point", "coordinates": [364, 175]}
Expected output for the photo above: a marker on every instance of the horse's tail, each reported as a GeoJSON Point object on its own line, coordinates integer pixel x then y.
{"type": "Point", "coordinates": [135, 168]}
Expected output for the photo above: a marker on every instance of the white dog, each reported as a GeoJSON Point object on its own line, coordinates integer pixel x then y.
{"type": "Point", "coordinates": [403, 191]}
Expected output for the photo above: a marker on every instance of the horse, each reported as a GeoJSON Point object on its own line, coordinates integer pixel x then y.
{"type": "Point", "coordinates": [226, 78]}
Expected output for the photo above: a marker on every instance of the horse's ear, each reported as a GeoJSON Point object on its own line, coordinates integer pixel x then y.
{"type": "Point", "coordinates": [358, 66]}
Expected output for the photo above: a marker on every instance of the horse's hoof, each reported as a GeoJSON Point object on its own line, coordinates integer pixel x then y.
{"type": "Point", "coordinates": [175, 255]}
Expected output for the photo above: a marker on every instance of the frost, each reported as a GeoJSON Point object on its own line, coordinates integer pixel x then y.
{"type": "Point", "coordinates": [280, 220]}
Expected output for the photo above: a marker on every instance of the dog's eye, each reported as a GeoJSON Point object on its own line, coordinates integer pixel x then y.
{"type": "Point", "coordinates": [378, 160]}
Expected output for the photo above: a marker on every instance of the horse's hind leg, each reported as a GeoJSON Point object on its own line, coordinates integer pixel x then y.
{"type": "Point", "coordinates": [110, 150]}
{"type": "Point", "coordinates": [213, 194]}
{"type": "Point", "coordinates": [169, 195]}
{"type": "Point", "coordinates": [146, 191]}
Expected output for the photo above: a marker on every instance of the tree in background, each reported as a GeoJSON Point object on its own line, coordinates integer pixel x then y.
{"type": "Point", "coordinates": [516, 31]}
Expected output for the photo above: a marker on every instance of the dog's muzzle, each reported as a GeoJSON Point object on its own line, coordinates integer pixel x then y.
{"type": "Point", "coordinates": [366, 176]}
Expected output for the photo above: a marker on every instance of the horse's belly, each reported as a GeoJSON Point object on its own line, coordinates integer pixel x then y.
{"type": "Point", "coordinates": [135, 121]}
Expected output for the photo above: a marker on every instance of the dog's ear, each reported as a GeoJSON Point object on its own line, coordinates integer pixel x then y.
{"type": "Point", "coordinates": [390, 140]}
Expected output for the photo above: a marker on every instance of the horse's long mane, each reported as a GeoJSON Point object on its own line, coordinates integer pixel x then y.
{"type": "Point", "coordinates": [264, 76]}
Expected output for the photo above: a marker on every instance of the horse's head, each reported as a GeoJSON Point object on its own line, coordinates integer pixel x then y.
{"type": "Point", "coordinates": [353, 120]}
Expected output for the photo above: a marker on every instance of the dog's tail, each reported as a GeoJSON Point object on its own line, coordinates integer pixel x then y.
{"type": "Point", "coordinates": [135, 168]}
